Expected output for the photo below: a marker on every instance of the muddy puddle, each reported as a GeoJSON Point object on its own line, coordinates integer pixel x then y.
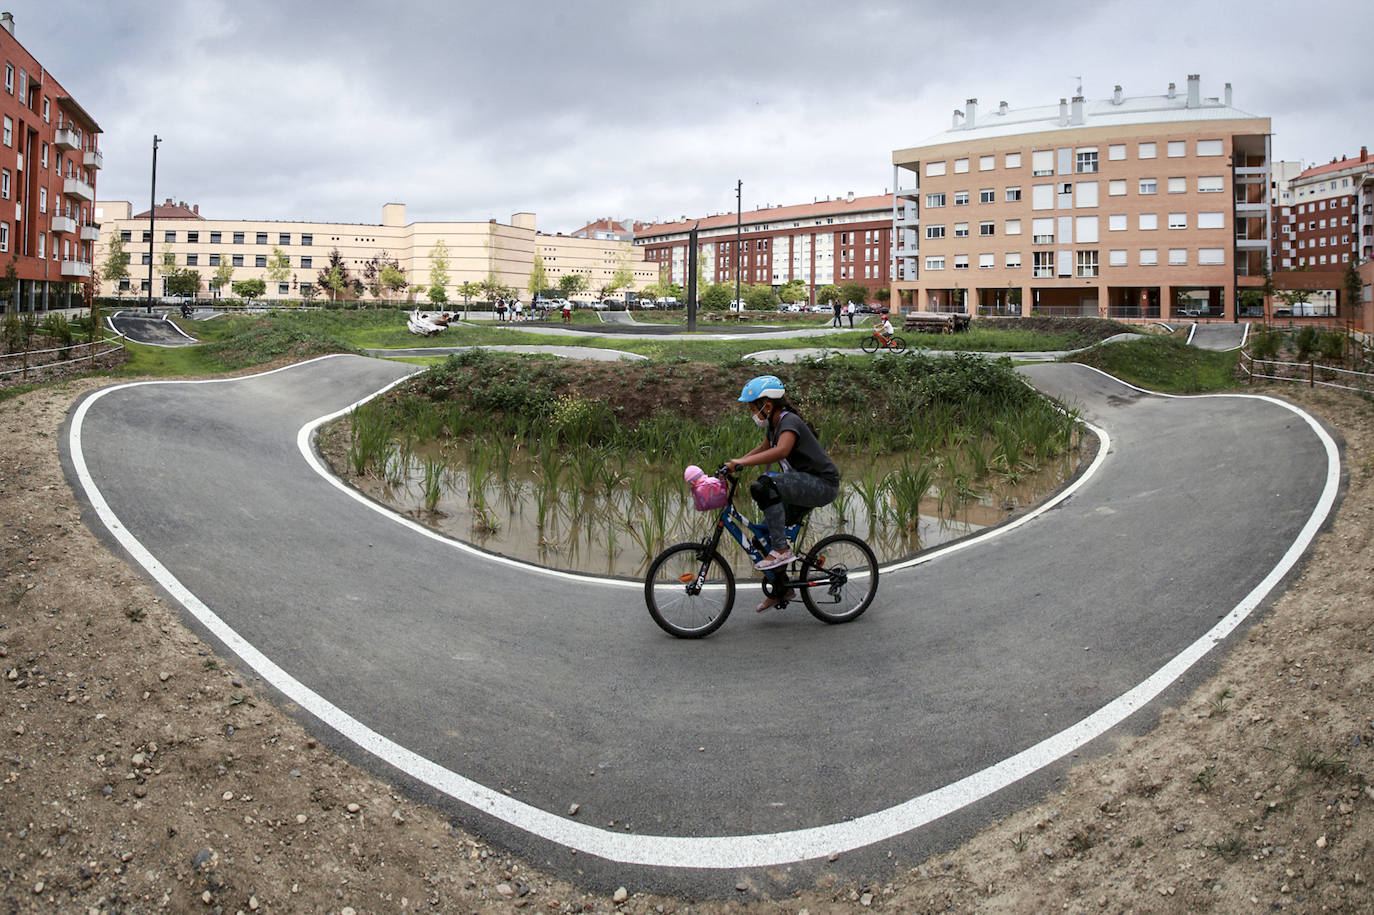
{"type": "Point", "coordinates": [614, 520]}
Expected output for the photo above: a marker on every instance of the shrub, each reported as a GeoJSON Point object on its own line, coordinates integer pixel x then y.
{"type": "Point", "coordinates": [1306, 342]}
{"type": "Point", "coordinates": [1332, 346]}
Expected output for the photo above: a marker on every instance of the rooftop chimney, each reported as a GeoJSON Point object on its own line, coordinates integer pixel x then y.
{"type": "Point", "coordinates": [1063, 112]}
{"type": "Point", "coordinates": [1173, 91]}
{"type": "Point", "coordinates": [1228, 95]}
{"type": "Point", "coordinates": [7, 22]}
{"type": "Point", "coordinates": [1116, 95]}
{"type": "Point", "coordinates": [1077, 110]}
{"type": "Point", "coordinates": [1001, 107]}
{"type": "Point", "coordinates": [1194, 90]}
{"type": "Point", "coordinates": [954, 122]}
{"type": "Point", "coordinates": [169, 202]}
{"type": "Point", "coordinates": [1364, 154]}
{"type": "Point", "coordinates": [971, 109]}
{"type": "Point", "coordinates": [196, 209]}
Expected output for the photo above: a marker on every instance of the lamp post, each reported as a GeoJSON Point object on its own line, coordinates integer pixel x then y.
{"type": "Point", "coordinates": [152, 217]}
{"type": "Point", "coordinates": [739, 216]}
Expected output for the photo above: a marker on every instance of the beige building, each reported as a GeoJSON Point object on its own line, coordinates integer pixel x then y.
{"type": "Point", "coordinates": [1128, 207]}
{"type": "Point", "coordinates": [476, 250]}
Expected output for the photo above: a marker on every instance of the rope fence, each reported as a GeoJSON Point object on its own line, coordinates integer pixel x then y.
{"type": "Point", "coordinates": [92, 352]}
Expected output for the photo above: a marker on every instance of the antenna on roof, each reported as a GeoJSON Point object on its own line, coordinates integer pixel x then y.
{"type": "Point", "coordinates": [1079, 93]}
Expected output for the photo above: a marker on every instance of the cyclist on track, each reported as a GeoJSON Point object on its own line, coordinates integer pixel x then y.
{"type": "Point", "coordinates": [808, 477]}
{"type": "Point", "coordinates": [882, 329]}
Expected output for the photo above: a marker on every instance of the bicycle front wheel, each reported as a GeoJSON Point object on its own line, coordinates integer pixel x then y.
{"type": "Point", "coordinates": [898, 344]}
{"type": "Point", "coordinates": [689, 590]}
{"type": "Point", "coordinates": [840, 576]}
{"type": "Point", "coordinates": [869, 344]}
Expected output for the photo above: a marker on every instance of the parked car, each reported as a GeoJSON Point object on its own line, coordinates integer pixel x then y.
{"type": "Point", "coordinates": [668, 302]}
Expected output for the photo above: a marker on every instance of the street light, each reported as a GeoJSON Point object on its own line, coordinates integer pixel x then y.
{"type": "Point", "coordinates": [152, 215]}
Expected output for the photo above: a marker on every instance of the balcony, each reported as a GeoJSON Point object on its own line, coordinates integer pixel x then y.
{"type": "Point", "coordinates": [1244, 206]}
{"type": "Point", "coordinates": [908, 250]}
{"type": "Point", "coordinates": [93, 159]}
{"type": "Point", "coordinates": [63, 225]}
{"type": "Point", "coordinates": [914, 193]}
{"type": "Point", "coordinates": [75, 270]}
{"type": "Point", "coordinates": [1245, 243]}
{"type": "Point", "coordinates": [75, 187]}
{"type": "Point", "coordinates": [65, 138]}
{"type": "Point", "coordinates": [90, 233]}
{"type": "Point", "coordinates": [910, 219]}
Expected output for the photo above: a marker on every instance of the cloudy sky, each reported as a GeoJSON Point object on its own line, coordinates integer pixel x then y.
{"type": "Point", "coordinates": [324, 110]}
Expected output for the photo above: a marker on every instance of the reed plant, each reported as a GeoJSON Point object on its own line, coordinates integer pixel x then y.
{"type": "Point", "coordinates": [435, 471]}
{"type": "Point", "coordinates": [907, 485]}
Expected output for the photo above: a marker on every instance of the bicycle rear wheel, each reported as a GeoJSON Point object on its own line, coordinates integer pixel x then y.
{"type": "Point", "coordinates": [849, 572]}
{"type": "Point", "coordinates": [689, 590]}
{"type": "Point", "coordinates": [898, 344]}
{"type": "Point", "coordinates": [869, 344]}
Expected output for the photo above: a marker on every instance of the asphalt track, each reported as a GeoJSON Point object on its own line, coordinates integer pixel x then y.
{"type": "Point", "coordinates": [149, 329]}
{"type": "Point", "coordinates": [756, 755]}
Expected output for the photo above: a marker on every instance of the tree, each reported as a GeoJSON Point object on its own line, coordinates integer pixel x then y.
{"type": "Point", "coordinates": [375, 275]}
{"type": "Point", "coordinates": [223, 276]}
{"type": "Point", "coordinates": [393, 279]}
{"type": "Point", "coordinates": [183, 283]}
{"type": "Point", "coordinates": [717, 296]}
{"type": "Point", "coordinates": [884, 294]}
{"type": "Point", "coordinates": [116, 262]}
{"type": "Point", "coordinates": [9, 281]}
{"type": "Point", "coordinates": [570, 284]}
{"type": "Point", "coordinates": [249, 289]}
{"type": "Point", "coordinates": [438, 272]}
{"type": "Point", "coordinates": [624, 276]}
{"type": "Point", "coordinates": [854, 292]}
{"type": "Point", "coordinates": [828, 294]}
{"type": "Point", "coordinates": [468, 290]}
{"type": "Point", "coordinates": [538, 277]}
{"type": "Point", "coordinates": [760, 297]}
{"type": "Point", "coordinates": [491, 288]}
{"type": "Point", "coordinates": [793, 292]}
{"type": "Point", "coordinates": [278, 266]}
{"type": "Point", "coordinates": [334, 276]}
{"type": "Point", "coordinates": [167, 263]}
{"type": "Point", "coordinates": [1350, 291]}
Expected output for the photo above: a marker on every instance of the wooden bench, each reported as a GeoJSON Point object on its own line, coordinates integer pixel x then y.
{"type": "Point", "coordinates": [936, 322]}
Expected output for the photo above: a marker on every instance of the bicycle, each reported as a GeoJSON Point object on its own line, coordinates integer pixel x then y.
{"type": "Point", "coordinates": [690, 588]}
{"type": "Point", "coordinates": [876, 341]}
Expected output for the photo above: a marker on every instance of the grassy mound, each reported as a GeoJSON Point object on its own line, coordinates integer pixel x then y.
{"type": "Point", "coordinates": [1164, 364]}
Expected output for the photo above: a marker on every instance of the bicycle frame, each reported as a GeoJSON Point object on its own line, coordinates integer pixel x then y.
{"type": "Point", "coordinates": [756, 545]}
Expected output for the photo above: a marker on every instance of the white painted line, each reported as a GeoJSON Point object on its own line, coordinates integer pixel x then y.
{"type": "Point", "coordinates": [714, 852]}
{"type": "Point", "coordinates": [173, 325]}
{"type": "Point", "coordinates": [109, 319]}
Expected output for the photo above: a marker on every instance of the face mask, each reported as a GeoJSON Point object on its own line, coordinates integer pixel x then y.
{"type": "Point", "coordinates": [761, 421]}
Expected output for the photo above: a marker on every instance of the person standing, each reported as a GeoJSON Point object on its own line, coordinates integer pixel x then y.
{"type": "Point", "coordinates": [519, 310]}
{"type": "Point", "coordinates": [851, 311]}
{"type": "Point", "coordinates": [835, 307]}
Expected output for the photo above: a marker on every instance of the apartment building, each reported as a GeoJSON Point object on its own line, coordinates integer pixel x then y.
{"type": "Point", "coordinates": [844, 240]}
{"type": "Point", "coordinates": [1317, 224]}
{"type": "Point", "coordinates": [1153, 206]}
{"type": "Point", "coordinates": [475, 250]}
{"type": "Point", "coordinates": [49, 159]}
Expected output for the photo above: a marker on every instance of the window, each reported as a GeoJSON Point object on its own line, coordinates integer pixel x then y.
{"type": "Point", "coordinates": [1042, 264]}
{"type": "Point", "coordinates": [961, 198]}
{"type": "Point", "coordinates": [960, 166]}
{"type": "Point", "coordinates": [1042, 231]}
{"type": "Point", "coordinates": [1211, 221]}
{"type": "Point", "coordinates": [9, 78]}
{"type": "Point", "coordinates": [238, 260]}
{"type": "Point", "coordinates": [4, 236]}
{"type": "Point", "coordinates": [193, 238]}
{"type": "Point", "coordinates": [1013, 194]}
{"type": "Point", "coordinates": [935, 231]}
{"type": "Point", "coordinates": [1116, 187]}
{"type": "Point", "coordinates": [147, 236]}
{"type": "Point", "coordinates": [1085, 194]}
{"type": "Point", "coordinates": [986, 228]}
{"type": "Point", "coordinates": [307, 239]}
{"type": "Point", "coordinates": [214, 238]}
{"type": "Point", "coordinates": [43, 155]}
{"type": "Point", "coordinates": [1085, 161]}
{"type": "Point", "coordinates": [238, 238]}
{"type": "Point", "coordinates": [1116, 222]}
{"type": "Point", "coordinates": [42, 200]}
{"type": "Point", "coordinates": [307, 263]}
{"type": "Point", "coordinates": [987, 195]}
{"type": "Point", "coordinates": [1149, 257]}
{"type": "Point", "coordinates": [1042, 197]}
{"type": "Point", "coordinates": [1178, 185]}
{"type": "Point", "coordinates": [1086, 264]}
{"type": "Point", "coordinates": [9, 131]}
{"type": "Point", "coordinates": [961, 230]}
{"type": "Point", "coordinates": [935, 263]}
{"type": "Point", "coordinates": [935, 169]}
{"type": "Point", "coordinates": [1178, 220]}
{"type": "Point", "coordinates": [961, 262]}
{"type": "Point", "coordinates": [987, 163]}
{"type": "Point", "coordinates": [1042, 162]}
{"type": "Point", "coordinates": [193, 260]}
{"type": "Point", "coordinates": [1149, 186]}
{"type": "Point", "coordinates": [935, 200]}
{"type": "Point", "coordinates": [45, 110]}
{"type": "Point", "coordinates": [170, 236]}
{"type": "Point", "coordinates": [986, 261]}
{"type": "Point", "coordinates": [1209, 148]}
{"type": "Point", "coordinates": [1211, 257]}
{"type": "Point", "coordinates": [214, 260]}
{"type": "Point", "coordinates": [284, 238]}
{"type": "Point", "coordinates": [1145, 151]}
{"type": "Point", "coordinates": [1211, 184]}
{"type": "Point", "coordinates": [1116, 152]}
{"type": "Point", "coordinates": [126, 236]}
{"type": "Point", "coordinates": [283, 289]}
{"type": "Point", "coordinates": [1085, 229]}
{"type": "Point", "coordinates": [1149, 222]}
{"type": "Point", "coordinates": [1013, 160]}
{"type": "Point", "coordinates": [1013, 227]}
{"type": "Point", "coordinates": [147, 258]}
{"type": "Point", "coordinates": [1177, 149]}
{"type": "Point", "coordinates": [1013, 259]}
{"type": "Point", "coordinates": [262, 238]}
{"type": "Point", "coordinates": [1116, 257]}
{"type": "Point", "coordinates": [5, 185]}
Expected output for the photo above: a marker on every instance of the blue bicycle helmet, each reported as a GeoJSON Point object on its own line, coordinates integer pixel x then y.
{"type": "Point", "coordinates": [769, 386]}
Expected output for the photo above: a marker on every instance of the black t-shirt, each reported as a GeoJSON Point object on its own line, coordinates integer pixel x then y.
{"type": "Point", "coordinates": [807, 454]}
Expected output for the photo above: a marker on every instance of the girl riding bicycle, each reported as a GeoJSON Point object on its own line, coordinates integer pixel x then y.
{"type": "Point", "coordinates": [882, 329]}
{"type": "Point", "coordinates": [808, 477]}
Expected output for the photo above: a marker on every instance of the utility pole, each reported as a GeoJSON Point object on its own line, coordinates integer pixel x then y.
{"type": "Point", "coordinates": [739, 216]}
{"type": "Point", "coordinates": [152, 218]}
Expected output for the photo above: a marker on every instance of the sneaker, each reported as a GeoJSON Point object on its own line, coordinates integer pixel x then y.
{"type": "Point", "coordinates": [770, 602]}
{"type": "Point", "coordinates": [774, 559]}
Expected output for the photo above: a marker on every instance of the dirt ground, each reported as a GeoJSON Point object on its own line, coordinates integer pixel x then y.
{"type": "Point", "coordinates": [139, 773]}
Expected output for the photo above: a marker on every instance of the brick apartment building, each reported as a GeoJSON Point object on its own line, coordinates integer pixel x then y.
{"type": "Point", "coordinates": [845, 240]}
{"type": "Point", "coordinates": [49, 158]}
{"type": "Point", "coordinates": [1318, 225]}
